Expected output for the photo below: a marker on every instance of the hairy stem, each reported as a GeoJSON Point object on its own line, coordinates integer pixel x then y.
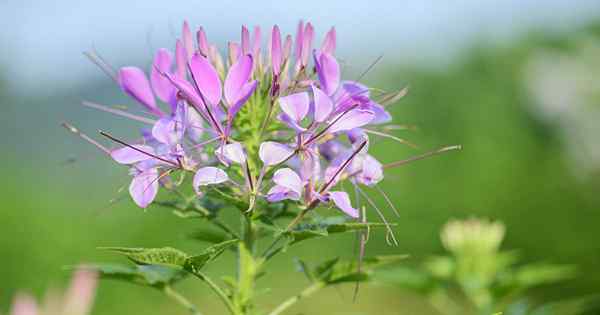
{"type": "Point", "coordinates": [292, 300]}
{"type": "Point", "coordinates": [222, 295]}
{"type": "Point", "coordinates": [175, 296]}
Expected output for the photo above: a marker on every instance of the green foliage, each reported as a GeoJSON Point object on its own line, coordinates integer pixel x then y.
{"type": "Point", "coordinates": [335, 271]}
{"type": "Point", "coordinates": [148, 275]}
{"type": "Point", "coordinates": [171, 257]}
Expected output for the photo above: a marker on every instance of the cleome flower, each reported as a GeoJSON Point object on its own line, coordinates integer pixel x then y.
{"type": "Point", "coordinates": [272, 124]}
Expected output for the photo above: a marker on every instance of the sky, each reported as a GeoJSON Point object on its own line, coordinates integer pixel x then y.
{"type": "Point", "coordinates": [43, 41]}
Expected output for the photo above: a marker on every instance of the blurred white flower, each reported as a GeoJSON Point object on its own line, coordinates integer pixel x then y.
{"type": "Point", "coordinates": [565, 87]}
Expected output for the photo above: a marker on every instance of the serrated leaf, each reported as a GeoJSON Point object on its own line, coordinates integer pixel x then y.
{"type": "Point", "coordinates": [337, 271]}
{"type": "Point", "coordinates": [150, 275]}
{"type": "Point", "coordinates": [197, 262]}
{"type": "Point", "coordinates": [166, 256]}
{"type": "Point", "coordinates": [326, 227]}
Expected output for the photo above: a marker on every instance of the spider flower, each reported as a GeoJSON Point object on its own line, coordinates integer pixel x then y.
{"type": "Point", "coordinates": [282, 126]}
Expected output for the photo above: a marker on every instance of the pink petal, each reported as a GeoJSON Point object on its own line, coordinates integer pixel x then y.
{"type": "Point", "coordinates": [245, 93]}
{"type": "Point", "coordinates": [329, 42]}
{"type": "Point", "coordinates": [24, 305]}
{"type": "Point", "coordinates": [276, 50]}
{"type": "Point", "coordinates": [287, 47]}
{"type": "Point", "coordinates": [238, 75]}
{"type": "Point", "coordinates": [289, 179]}
{"type": "Point", "coordinates": [278, 193]}
{"type": "Point", "coordinates": [245, 40]}
{"type": "Point", "coordinates": [299, 40]}
{"type": "Point", "coordinates": [273, 153]}
{"type": "Point", "coordinates": [322, 103]}
{"type": "Point", "coordinates": [307, 43]}
{"type": "Point", "coordinates": [188, 41]}
{"type": "Point", "coordinates": [180, 59]}
{"type": "Point", "coordinates": [187, 91]}
{"type": "Point", "coordinates": [342, 201]}
{"type": "Point", "coordinates": [203, 45]}
{"type": "Point", "coordinates": [80, 296]}
{"type": "Point", "coordinates": [296, 105]}
{"type": "Point", "coordinates": [256, 44]}
{"type": "Point", "coordinates": [233, 152]}
{"type": "Point", "coordinates": [328, 71]}
{"type": "Point", "coordinates": [161, 85]}
{"type": "Point", "coordinates": [209, 176]}
{"type": "Point", "coordinates": [127, 155]}
{"type": "Point", "coordinates": [234, 52]}
{"type": "Point", "coordinates": [169, 130]}
{"type": "Point", "coordinates": [134, 82]}
{"type": "Point", "coordinates": [352, 119]}
{"type": "Point", "coordinates": [206, 78]}
{"type": "Point", "coordinates": [144, 187]}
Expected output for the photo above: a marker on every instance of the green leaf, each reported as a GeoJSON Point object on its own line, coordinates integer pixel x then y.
{"type": "Point", "coordinates": [172, 257]}
{"type": "Point", "coordinates": [197, 262]}
{"type": "Point", "coordinates": [325, 227]}
{"type": "Point", "coordinates": [335, 271]}
{"type": "Point", "coordinates": [166, 256]}
{"type": "Point", "coordinates": [148, 275]}
{"type": "Point", "coordinates": [540, 273]}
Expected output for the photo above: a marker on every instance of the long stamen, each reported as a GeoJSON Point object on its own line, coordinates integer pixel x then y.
{"type": "Point", "coordinates": [141, 151]}
{"type": "Point", "coordinates": [118, 112]}
{"type": "Point", "coordinates": [102, 64]}
{"type": "Point", "coordinates": [339, 170]}
{"type": "Point", "coordinates": [369, 68]}
{"type": "Point", "coordinates": [385, 135]}
{"type": "Point", "coordinates": [85, 137]}
{"type": "Point", "coordinates": [381, 216]}
{"type": "Point", "coordinates": [322, 132]}
{"type": "Point", "coordinates": [387, 199]}
{"type": "Point", "coordinates": [423, 156]}
{"type": "Point", "coordinates": [206, 107]}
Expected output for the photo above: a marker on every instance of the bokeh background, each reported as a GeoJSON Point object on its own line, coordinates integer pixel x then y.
{"type": "Point", "coordinates": [517, 83]}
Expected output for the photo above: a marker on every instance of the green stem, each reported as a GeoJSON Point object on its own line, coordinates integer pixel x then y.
{"type": "Point", "coordinates": [292, 300]}
{"type": "Point", "coordinates": [175, 296]}
{"type": "Point", "coordinates": [224, 297]}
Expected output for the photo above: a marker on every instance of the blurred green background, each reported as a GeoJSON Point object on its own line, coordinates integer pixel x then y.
{"type": "Point", "coordinates": [522, 163]}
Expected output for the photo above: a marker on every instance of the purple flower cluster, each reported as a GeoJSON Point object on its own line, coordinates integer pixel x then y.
{"type": "Point", "coordinates": [279, 125]}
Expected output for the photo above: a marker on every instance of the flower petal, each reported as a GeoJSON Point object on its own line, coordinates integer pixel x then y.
{"type": "Point", "coordinates": [238, 75]}
{"type": "Point", "coordinates": [203, 45]}
{"type": "Point", "coordinates": [243, 96]}
{"type": "Point", "coordinates": [170, 130]}
{"type": "Point", "coordinates": [296, 105]}
{"type": "Point", "coordinates": [206, 78]}
{"type": "Point", "coordinates": [181, 59]}
{"type": "Point", "coordinates": [342, 201]}
{"type": "Point", "coordinates": [134, 82]}
{"type": "Point", "coordinates": [276, 50]}
{"type": "Point", "coordinates": [352, 119]}
{"type": "Point", "coordinates": [272, 153]}
{"type": "Point", "coordinates": [245, 40]}
{"type": "Point", "coordinates": [328, 71]}
{"type": "Point", "coordinates": [24, 305]}
{"type": "Point", "coordinates": [322, 103]}
{"type": "Point", "coordinates": [188, 41]}
{"type": "Point", "coordinates": [144, 187]}
{"type": "Point", "coordinates": [233, 152]}
{"type": "Point", "coordinates": [289, 179]}
{"type": "Point", "coordinates": [371, 171]}
{"type": "Point", "coordinates": [329, 42]}
{"type": "Point", "coordinates": [381, 115]}
{"type": "Point", "coordinates": [307, 44]}
{"type": "Point", "coordinates": [127, 155]}
{"type": "Point", "coordinates": [278, 193]}
{"type": "Point", "coordinates": [299, 40]}
{"type": "Point", "coordinates": [161, 85]}
{"type": "Point", "coordinates": [256, 45]}
{"type": "Point", "coordinates": [209, 176]}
